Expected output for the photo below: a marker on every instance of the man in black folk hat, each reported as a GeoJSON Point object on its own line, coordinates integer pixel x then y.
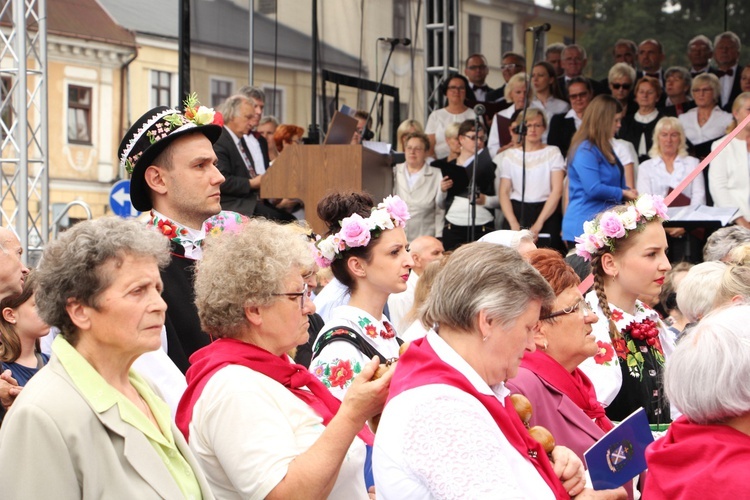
{"type": "Point", "coordinates": [170, 157]}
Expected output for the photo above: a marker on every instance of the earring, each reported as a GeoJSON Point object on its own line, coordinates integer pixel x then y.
{"type": "Point", "coordinates": [545, 345]}
{"type": "Point", "coordinates": [484, 339]}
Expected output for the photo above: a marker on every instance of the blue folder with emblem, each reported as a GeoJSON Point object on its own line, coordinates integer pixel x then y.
{"type": "Point", "coordinates": [619, 456]}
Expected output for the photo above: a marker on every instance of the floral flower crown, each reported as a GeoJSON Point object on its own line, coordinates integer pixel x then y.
{"type": "Point", "coordinates": [613, 225]}
{"type": "Point", "coordinates": [164, 124]}
{"type": "Point", "coordinates": [356, 231]}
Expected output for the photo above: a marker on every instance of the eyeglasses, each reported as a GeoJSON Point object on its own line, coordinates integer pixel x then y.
{"type": "Point", "coordinates": [618, 86]}
{"type": "Point", "coordinates": [457, 89]}
{"type": "Point", "coordinates": [471, 137]}
{"type": "Point", "coordinates": [581, 305]}
{"type": "Point", "coordinates": [505, 67]}
{"type": "Point", "coordinates": [476, 67]}
{"type": "Point", "coordinates": [582, 95]}
{"type": "Point", "coordinates": [293, 295]}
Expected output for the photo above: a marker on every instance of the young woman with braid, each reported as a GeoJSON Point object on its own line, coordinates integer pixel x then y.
{"type": "Point", "coordinates": [627, 249]}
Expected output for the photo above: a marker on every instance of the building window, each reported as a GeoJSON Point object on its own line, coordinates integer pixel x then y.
{"type": "Point", "coordinates": [274, 103]}
{"type": "Point", "coordinates": [6, 104]}
{"type": "Point", "coordinates": [475, 34]}
{"type": "Point", "coordinates": [506, 38]}
{"type": "Point", "coordinates": [220, 91]}
{"type": "Point", "coordinates": [79, 114]}
{"type": "Point", "coordinates": [267, 6]}
{"type": "Point", "coordinates": [400, 18]}
{"type": "Point", "coordinates": [161, 88]}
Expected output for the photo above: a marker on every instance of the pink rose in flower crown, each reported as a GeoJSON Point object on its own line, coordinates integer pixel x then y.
{"type": "Point", "coordinates": [397, 208]}
{"type": "Point", "coordinates": [355, 231]}
{"type": "Point", "coordinates": [588, 244]}
{"type": "Point", "coordinates": [611, 225]}
{"type": "Point", "coordinates": [660, 207]}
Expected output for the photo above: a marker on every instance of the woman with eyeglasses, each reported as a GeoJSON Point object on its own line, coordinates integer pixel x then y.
{"type": "Point", "coordinates": [620, 79]}
{"type": "Point", "coordinates": [260, 425]}
{"type": "Point", "coordinates": [456, 186]}
{"type": "Point", "coordinates": [419, 186]}
{"type": "Point", "coordinates": [535, 203]}
{"type": "Point", "coordinates": [455, 111]}
{"type": "Point", "coordinates": [561, 395]}
{"type": "Point", "coordinates": [706, 122]}
{"type": "Point", "coordinates": [638, 128]}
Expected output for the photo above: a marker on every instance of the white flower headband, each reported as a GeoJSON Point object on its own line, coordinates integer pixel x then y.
{"type": "Point", "coordinates": [611, 225]}
{"type": "Point", "coordinates": [357, 231]}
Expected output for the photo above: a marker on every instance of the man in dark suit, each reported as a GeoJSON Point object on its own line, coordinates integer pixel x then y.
{"type": "Point", "coordinates": [573, 63]}
{"type": "Point", "coordinates": [239, 191]}
{"type": "Point", "coordinates": [727, 56]}
{"type": "Point", "coordinates": [650, 58]}
{"type": "Point", "coordinates": [171, 160]}
{"type": "Point", "coordinates": [476, 71]}
{"type": "Point", "coordinates": [699, 53]}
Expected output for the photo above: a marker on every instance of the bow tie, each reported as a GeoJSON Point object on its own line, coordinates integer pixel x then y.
{"type": "Point", "coordinates": [485, 88]}
{"type": "Point", "coordinates": [729, 72]}
{"type": "Point", "coordinates": [254, 133]}
{"type": "Point", "coordinates": [653, 75]}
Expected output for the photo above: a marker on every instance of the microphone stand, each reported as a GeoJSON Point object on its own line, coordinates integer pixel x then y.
{"type": "Point", "coordinates": [479, 111]}
{"type": "Point", "coordinates": [377, 89]}
{"type": "Point", "coordinates": [522, 129]}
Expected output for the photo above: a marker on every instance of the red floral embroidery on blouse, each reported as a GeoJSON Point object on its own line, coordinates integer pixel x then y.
{"type": "Point", "coordinates": [389, 332]}
{"type": "Point", "coordinates": [340, 374]}
{"type": "Point", "coordinates": [616, 315]}
{"type": "Point", "coordinates": [371, 331]}
{"type": "Point", "coordinates": [604, 354]}
{"type": "Point", "coordinates": [168, 228]}
{"type": "Point", "coordinates": [621, 348]}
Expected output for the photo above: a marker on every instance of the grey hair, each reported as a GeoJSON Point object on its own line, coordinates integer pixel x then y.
{"type": "Point", "coordinates": [253, 93]}
{"type": "Point", "coordinates": [579, 48]}
{"type": "Point", "coordinates": [628, 43]}
{"type": "Point", "coordinates": [71, 266]}
{"type": "Point", "coordinates": [682, 72]}
{"type": "Point", "coordinates": [708, 374]}
{"type": "Point", "coordinates": [554, 47]}
{"type": "Point", "coordinates": [723, 241]}
{"type": "Point", "coordinates": [697, 291]}
{"type": "Point", "coordinates": [269, 119]}
{"type": "Point", "coordinates": [451, 131]}
{"type": "Point", "coordinates": [710, 79]}
{"type": "Point", "coordinates": [735, 282]}
{"type": "Point", "coordinates": [484, 276]}
{"type": "Point", "coordinates": [703, 39]}
{"type": "Point", "coordinates": [731, 35]}
{"type": "Point", "coordinates": [262, 255]}
{"type": "Point", "coordinates": [621, 70]}
{"type": "Point", "coordinates": [231, 107]}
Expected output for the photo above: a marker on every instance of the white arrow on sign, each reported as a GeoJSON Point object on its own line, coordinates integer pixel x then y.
{"type": "Point", "coordinates": [121, 197]}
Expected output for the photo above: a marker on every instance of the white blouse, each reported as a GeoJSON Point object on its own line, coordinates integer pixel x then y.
{"type": "Point", "coordinates": [539, 167]}
{"type": "Point", "coordinates": [436, 124]}
{"type": "Point", "coordinates": [716, 126]}
{"type": "Point", "coordinates": [436, 441]}
{"type": "Point", "coordinates": [653, 178]}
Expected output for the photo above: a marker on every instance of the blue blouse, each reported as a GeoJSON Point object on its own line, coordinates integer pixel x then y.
{"type": "Point", "coordinates": [594, 185]}
{"type": "Point", "coordinates": [21, 373]}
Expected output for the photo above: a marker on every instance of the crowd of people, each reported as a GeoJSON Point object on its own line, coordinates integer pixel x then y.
{"type": "Point", "coordinates": [197, 354]}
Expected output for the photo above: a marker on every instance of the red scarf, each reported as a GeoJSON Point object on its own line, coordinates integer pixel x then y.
{"type": "Point", "coordinates": [224, 352]}
{"type": "Point", "coordinates": [577, 386]}
{"type": "Point", "coordinates": [420, 365]}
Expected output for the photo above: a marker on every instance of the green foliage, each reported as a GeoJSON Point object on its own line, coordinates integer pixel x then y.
{"type": "Point", "coordinates": [672, 22]}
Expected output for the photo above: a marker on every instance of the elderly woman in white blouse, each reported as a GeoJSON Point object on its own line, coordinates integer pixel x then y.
{"type": "Point", "coordinates": [419, 186]}
{"type": "Point", "coordinates": [668, 166]}
{"type": "Point", "coordinates": [706, 121]}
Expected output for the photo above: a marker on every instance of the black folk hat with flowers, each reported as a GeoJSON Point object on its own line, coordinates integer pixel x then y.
{"type": "Point", "coordinates": [152, 133]}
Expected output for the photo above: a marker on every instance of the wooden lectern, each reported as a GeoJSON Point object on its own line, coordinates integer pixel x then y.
{"type": "Point", "coordinates": [309, 172]}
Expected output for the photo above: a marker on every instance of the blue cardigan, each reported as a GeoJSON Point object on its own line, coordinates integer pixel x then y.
{"type": "Point", "coordinates": [594, 185]}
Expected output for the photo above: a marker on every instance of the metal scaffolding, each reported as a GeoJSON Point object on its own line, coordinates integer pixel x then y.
{"type": "Point", "coordinates": [24, 192]}
{"type": "Point", "coordinates": [441, 48]}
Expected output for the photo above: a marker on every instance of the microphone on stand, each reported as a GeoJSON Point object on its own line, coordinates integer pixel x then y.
{"type": "Point", "coordinates": [396, 41]}
{"type": "Point", "coordinates": [480, 110]}
{"type": "Point", "coordinates": [539, 29]}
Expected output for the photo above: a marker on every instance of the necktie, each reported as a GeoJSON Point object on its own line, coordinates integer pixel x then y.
{"type": "Point", "coordinates": [246, 157]}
